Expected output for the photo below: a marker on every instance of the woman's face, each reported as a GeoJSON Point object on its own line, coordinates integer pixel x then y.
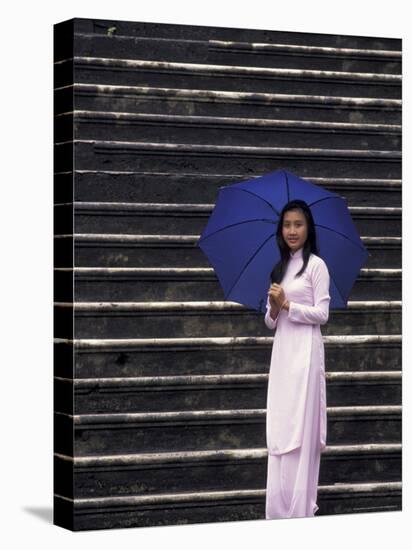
{"type": "Point", "coordinates": [295, 229]}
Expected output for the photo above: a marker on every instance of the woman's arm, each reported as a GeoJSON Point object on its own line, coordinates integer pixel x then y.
{"type": "Point", "coordinates": [317, 314]}
{"type": "Point", "coordinates": [269, 320]}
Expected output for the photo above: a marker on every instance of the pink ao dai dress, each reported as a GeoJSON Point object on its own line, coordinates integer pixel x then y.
{"type": "Point", "coordinates": [296, 398]}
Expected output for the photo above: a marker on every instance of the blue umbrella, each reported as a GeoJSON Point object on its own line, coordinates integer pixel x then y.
{"type": "Point", "coordinates": [239, 239]}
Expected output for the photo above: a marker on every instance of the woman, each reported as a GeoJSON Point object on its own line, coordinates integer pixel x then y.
{"type": "Point", "coordinates": [296, 399]}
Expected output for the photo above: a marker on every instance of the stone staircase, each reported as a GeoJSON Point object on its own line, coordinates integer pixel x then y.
{"type": "Point", "coordinates": [160, 384]}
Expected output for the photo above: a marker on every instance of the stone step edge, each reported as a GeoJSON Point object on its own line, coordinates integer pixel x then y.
{"type": "Point", "coordinates": [222, 455]}
{"type": "Point", "coordinates": [186, 240]}
{"type": "Point", "coordinates": [350, 182]}
{"type": "Point", "coordinates": [207, 273]}
{"type": "Point", "coordinates": [166, 208]}
{"type": "Point", "coordinates": [214, 415]}
{"type": "Point", "coordinates": [167, 148]}
{"type": "Point", "coordinates": [210, 306]}
{"type": "Point", "coordinates": [100, 503]}
{"type": "Point", "coordinates": [221, 96]}
{"type": "Point", "coordinates": [232, 71]}
{"type": "Point", "coordinates": [216, 121]}
{"type": "Point", "coordinates": [106, 344]}
{"type": "Point", "coordinates": [328, 51]}
{"type": "Point", "coordinates": [211, 380]}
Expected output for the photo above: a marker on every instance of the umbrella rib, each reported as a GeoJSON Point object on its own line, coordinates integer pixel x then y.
{"type": "Point", "coordinates": [287, 184]}
{"type": "Point", "coordinates": [254, 194]}
{"type": "Point", "coordinates": [337, 288]}
{"type": "Point", "coordinates": [338, 233]}
{"type": "Point", "coordinates": [326, 199]}
{"type": "Point", "coordinates": [247, 263]}
{"type": "Point", "coordinates": [233, 225]}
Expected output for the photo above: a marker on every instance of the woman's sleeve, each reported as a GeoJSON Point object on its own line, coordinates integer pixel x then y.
{"type": "Point", "coordinates": [318, 314]}
{"type": "Point", "coordinates": [270, 323]}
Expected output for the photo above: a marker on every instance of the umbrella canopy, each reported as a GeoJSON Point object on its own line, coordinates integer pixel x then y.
{"type": "Point", "coordinates": [239, 239]}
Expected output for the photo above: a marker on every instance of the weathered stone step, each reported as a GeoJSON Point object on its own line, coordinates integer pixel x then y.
{"type": "Point", "coordinates": [214, 506]}
{"type": "Point", "coordinates": [194, 319]}
{"type": "Point", "coordinates": [220, 102]}
{"type": "Point", "coordinates": [227, 469]}
{"type": "Point", "coordinates": [240, 52]}
{"type": "Point", "coordinates": [134, 357]}
{"type": "Point", "coordinates": [134, 155]}
{"type": "Point", "coordinates": [125, 250]}
{"type": "Point", "coordinates": [166, 128]}
{"type": "Point", "coordinates": [225, 391]}
{"type": "Point", "coordinates": [142, 72]}
{"type": "Point", "coordinates": [123, 433]}
{"type": "Point", "coordinates": [128, 218]}
{"type": "Point", "coordinates": [128, 284]}
{"type": "Point", "coordinates": [138, 29]}
{"type": "Point", "coordinates": [152, 186]}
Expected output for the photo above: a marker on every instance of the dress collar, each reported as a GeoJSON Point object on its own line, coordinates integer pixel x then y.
{"type": "Point", "coordinates": [297, 254]}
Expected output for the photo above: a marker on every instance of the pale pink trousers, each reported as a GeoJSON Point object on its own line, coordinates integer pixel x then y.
{"type": "Point", "coordinates": [292, 478]}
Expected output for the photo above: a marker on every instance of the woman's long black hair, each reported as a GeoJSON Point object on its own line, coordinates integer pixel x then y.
{"type": "Point", "coordinates": [310, 245]}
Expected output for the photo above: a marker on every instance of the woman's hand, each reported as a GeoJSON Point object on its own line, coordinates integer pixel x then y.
{"type": "Point", "coordinates": [276, 295]}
